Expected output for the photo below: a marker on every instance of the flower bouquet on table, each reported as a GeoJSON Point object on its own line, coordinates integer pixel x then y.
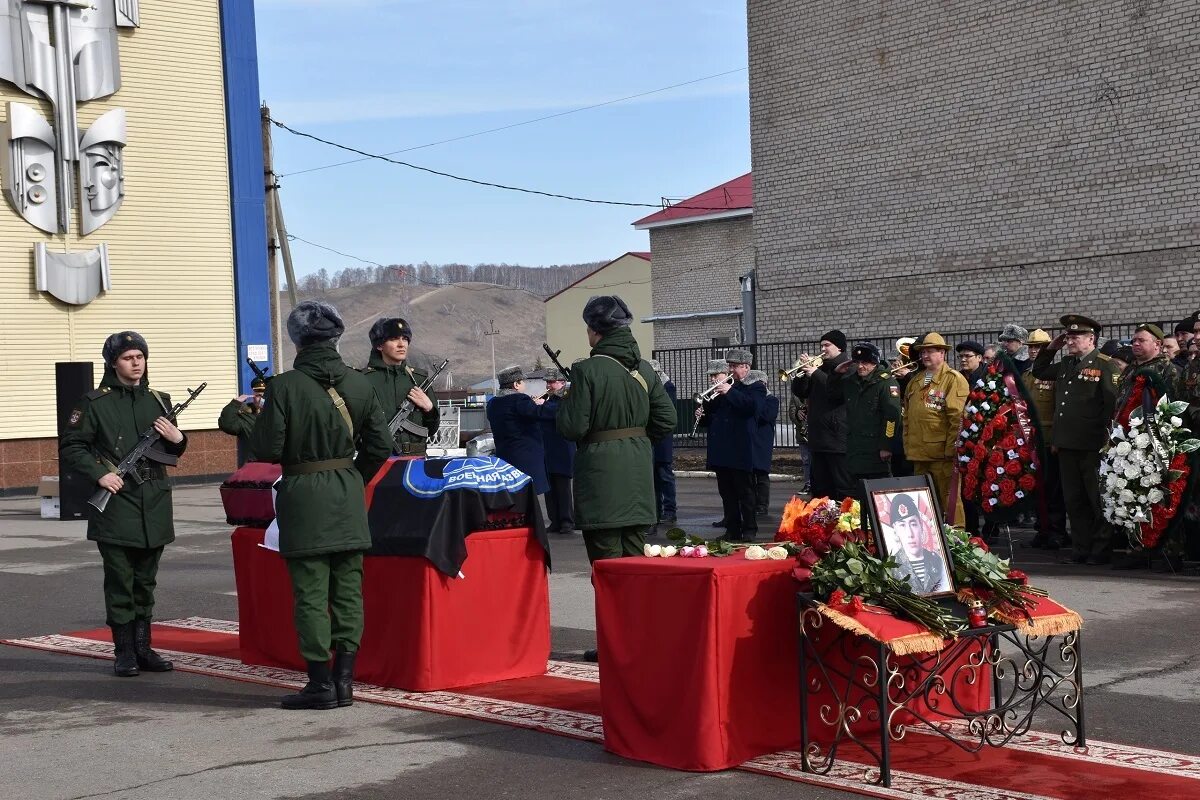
{"type": "Point", "coordinates": [1144, 467]}
{"type": "Point", "coordinates": [997, 449]}
{"type": "Point", "coordinates": [686, 545]}
{"type": "Point", "coordinates": [981, 575]}
{"type": "Point", "coordinates": [839, 565]}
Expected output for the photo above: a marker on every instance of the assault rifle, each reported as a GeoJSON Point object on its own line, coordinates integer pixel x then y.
{"type": "Point", "coordinates": [128, 465]}
{"type": "Point", "coordinates": [259, 372]}
{"type": "Point", "coordinates": [566, 373]}
{"type": "Point", "coordinates": [401, 421]}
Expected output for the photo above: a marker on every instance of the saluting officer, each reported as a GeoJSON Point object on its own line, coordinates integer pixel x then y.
{"type": "Point", "coordinates": [1085, 393]}
{"type": "Point", "coordinates": [933, 409]}
{"type": "Point", "coordinates": [560, 459]}
{"type": "Point", "coordinates": [239, 415]}
{"type": "Point", "coordinates": [514, 418]}
{"type": "Point", "coordinates": [137, 522]}
{"type": "Point", "coordinates": [872, 414]}
{"type": "Point", "coordinates": [1052, 514]}
{"type": "Point", "coordinates": [395, 381]}
{"type": "Point", "coordinates": [323, 423]}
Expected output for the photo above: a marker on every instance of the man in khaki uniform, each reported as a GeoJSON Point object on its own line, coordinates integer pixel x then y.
{"type": "Point", "coordinates": [933, 407]}
{"type": "Point", "coordinates": [1052, 513]}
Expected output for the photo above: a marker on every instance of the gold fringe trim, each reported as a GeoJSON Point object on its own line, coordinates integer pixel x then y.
{"type": "Point", "coordinates": [1053, 625]}
{"type": "Point", "coordinates": [901, 646]}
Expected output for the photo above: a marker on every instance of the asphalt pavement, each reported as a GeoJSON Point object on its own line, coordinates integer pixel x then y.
{"type": "Point", "coordinates": [68, 729]}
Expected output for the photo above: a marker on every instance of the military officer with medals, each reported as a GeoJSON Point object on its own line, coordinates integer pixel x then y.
{"type": "Point", "coordinates": [1052, 514]}
{"type": "Point", "coordinates": [395, 381]}
{"type": "Point", "coordinates": [137, 523]}
{"type": "Point", "coordinates": [872, 414]}
{"type": "Point", "coordinates": [933, 409]}
{"type": "Point", "coordinates": [1085, 395]}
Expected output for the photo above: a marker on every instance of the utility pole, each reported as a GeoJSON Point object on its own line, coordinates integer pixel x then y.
{"type": "Point", "coordinates": [277, 241]}
{"type": "Point", "coordinates": [492, 333]}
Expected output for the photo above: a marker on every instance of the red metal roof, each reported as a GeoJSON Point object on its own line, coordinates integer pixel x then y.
{"type": "Point", "coordinates": [735, 195]}
{"type": "Point", "coordinates": [639, 253]}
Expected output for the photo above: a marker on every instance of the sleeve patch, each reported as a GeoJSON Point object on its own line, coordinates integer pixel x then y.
{"type": "Point", "coordinates": [890, 431]}
{"type": "Point", "coordinates": [76, 418]}
{"type": "Point", "coordinates": [894, 391]}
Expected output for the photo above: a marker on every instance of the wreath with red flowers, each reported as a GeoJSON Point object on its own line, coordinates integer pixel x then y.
{"type": "Point", "coordinates": [998, 448]}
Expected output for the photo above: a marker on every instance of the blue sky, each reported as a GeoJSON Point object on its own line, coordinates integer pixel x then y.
{"type": "Point", "coordinates": [383, 75]}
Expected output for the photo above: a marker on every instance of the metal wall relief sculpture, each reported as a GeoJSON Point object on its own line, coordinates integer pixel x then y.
{"type": "Point", "coordinates": [64, 52]}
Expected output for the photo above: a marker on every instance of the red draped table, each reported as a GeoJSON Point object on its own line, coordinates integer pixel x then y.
{"type": "Point", "coordinates": [423, 630]}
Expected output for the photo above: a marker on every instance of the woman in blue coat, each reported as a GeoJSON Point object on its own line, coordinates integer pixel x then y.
{"type": "Point", "coordinates": [514, 418]}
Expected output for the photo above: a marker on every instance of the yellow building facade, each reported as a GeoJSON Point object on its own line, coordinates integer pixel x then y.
{"type": "Point", "coordinates": [628, 277]}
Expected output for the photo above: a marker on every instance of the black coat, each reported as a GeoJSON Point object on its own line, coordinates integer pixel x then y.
{"type": "Point", "coordinates": [560, 453]}
{"type": "Point", "coordinates": [764, 437]}
{"type": "Point", "coordinates": [516, 429]}
{"type": "Point", "coordinates": [664, 448]}
{"type": "Point", "coordinates": [732, 421]}
{"type": "Point", "coordinates": [826, 407]}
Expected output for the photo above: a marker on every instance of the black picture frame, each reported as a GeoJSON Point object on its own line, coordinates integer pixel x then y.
{"type": "Point", "coordinates": [929, 578]}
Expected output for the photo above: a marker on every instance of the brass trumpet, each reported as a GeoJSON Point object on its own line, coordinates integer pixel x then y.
{"type": "Point", "coordinates": [803, 362]}
{"type": "Point", "coordinates": [906, 365]}
{"type": "Point", "coordinates": [711, 392]}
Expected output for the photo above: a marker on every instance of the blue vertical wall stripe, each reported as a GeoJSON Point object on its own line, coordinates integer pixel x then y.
{"type": "Point", "coordinates": [246, 184]}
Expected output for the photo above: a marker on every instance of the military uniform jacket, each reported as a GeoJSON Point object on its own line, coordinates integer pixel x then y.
{"type": "Point", "coordinates": [733, 419]}
{"type": "Point", "coordinates": [237, 419]}
{"type": "Point", "coordinates": [105, 425]}
{"type": "Point", "coordinates": [1042, 394]}
{"type": "Point", "coordinates": [933, 414]}
{"type": "Point", "coordinates": [1085, 394]}
{"type": "Point", "coordinates": [764, 435]}
{"type": "Point", "coordinates": [1165, 368]}
{"type": "Point", "coordinates": [515, 421]}
{"type": "Point", "coordinates": [664, 448]}
{"type": "Point", "coordinates": [826, 407]}
{"type": "Point", "coordinates": [872, 419]}
{"type": "Point", "coordinates": [560, 454]}
{"type": "Point", "coordinates": [1188, 390]}
{"type": "Point", "coordinates": [392, 383]}
{"type": "Point", "coordinates": [325, 511]}
{"type": "Point", "coordinates": [614, 479]}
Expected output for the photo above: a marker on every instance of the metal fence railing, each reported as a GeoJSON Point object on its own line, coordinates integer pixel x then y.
{"type": "Point", "coordinates": [688, 367]}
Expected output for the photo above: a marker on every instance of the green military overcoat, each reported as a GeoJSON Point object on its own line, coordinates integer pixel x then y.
{"type": "Point", "coordinates": [104, 426]}
{"type": "Point", "coordinates": [872, 419]}
{"type": "Point", "coordinates": [1085, 394]}
{"type": "Point", "coordinates": [614, 480]}
{"type": "Point", "coordinates": [392, 384]}
{"type": "Point", "coordinates": [322, 512]}
{"type": "Point", "coordinates": [237, 419]}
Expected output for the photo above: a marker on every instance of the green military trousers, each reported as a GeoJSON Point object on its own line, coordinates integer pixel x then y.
{"type": "Point", "coordinates": [130, 576]}
{"type": "Point", "coordinates": [1080, 474]}
{"type": "Point", "coordinates": [604, 543]}
{"type": "Point", "coordinates": [327, 593]}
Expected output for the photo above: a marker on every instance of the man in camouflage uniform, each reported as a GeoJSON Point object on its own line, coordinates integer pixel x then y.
{"type": "Point", "coordinates": [395, 381]}
{"type": "Point", "coordinates": [872, 415]}
{"type": "Point", "coordinates": [322, 421]}
{"type": "Point", "coordinates": [1148, 355]}
{"type": "Point", "coordinates": [1052, 513]}
{"type": "Point", "coordinates": [1085, 394]}
{"type": "Point", "coordinates": [137, 522]}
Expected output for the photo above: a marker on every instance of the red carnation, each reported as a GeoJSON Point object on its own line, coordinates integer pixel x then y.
{"type": "Point", "coordinates": [836, 597]}
{"type": "Point", "coordinates": [856, 603]}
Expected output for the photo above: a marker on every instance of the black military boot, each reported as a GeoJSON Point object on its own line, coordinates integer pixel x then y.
{"type": "Point", "coordinates": [126, 665]}
{"type": "Point", "coordinates": [343, 676]}
{"type": "Point", "coordinates": [317, 694]}
{"type": "Point", "coordinates": [147, 659]}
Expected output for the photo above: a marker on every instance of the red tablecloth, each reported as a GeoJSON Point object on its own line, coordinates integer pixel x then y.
{"type": "Point", "coordinates": [423, 631]}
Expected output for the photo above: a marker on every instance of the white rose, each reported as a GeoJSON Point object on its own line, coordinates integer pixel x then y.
{"type": "Point", "coordinates": [1131, 472]}
{"type": "Point", "coordinates": [652, 551]}
{"type": "Point", "coordinates": [1121, 512]}
{"type": "Point", "coordinates": [755, 553]}
{"type": "Point", "coordinates": [777, 553]}
{"type": "Point", "coordinates": [1125, 496]}
{"type": "Point", "coordinates": [1155, 495]}
{"type": "Point", "coordinates": [1177, 422]}
{"type": "Point", "coordinates": [1123, 449]}
{"type": "Point", "coordinates": [1112, 482]}
{"type": "Point", "coordinates": [1142, 440]}
{"type": "Point", "coordinates": [1153, 479]}
{"type": "Point", "coordinates": [669, 551]}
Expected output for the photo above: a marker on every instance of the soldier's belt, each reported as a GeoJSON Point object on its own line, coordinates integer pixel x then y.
{"type": "Point", "coordinates": [612, 435]}
{"type": "Point", "coordinates": [409, 448]}
{"type": "Point", "coordinates": [313, 467]}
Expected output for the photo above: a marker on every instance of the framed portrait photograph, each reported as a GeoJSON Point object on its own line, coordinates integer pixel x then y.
{"type": "Point", "coordinates": [906, 519]}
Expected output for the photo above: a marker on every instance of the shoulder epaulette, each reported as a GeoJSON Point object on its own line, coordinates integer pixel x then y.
{"type": "Point", "coordinates": [884, 374]}
{"type": "Point", "coordinates": [1103, 357]}
{"type": "Point", "coordinates": [95, 394]}
{"type": "Point", "coordinates": [366, 370]}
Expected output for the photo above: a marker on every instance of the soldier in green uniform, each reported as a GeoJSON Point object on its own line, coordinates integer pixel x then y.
{"type": "Point", "coordinates": [1085, 394]}
{"type": "Point", "coordinates": [1052, 514]}
{"type": "Point", "coordinates": [872, 414]}
{"type": "Point", "coordinates": [137, 522]}
{"type": "Point", "coordinates": [395, 381]}
{"type": "Point", "coordinates": [1146, 347]}
{"type": "Point", "coordinates": [323, 423]}
{"type": "Point", "coordinates": [616, 408]}
{"type": "Point", "coordinates": [239, 415]}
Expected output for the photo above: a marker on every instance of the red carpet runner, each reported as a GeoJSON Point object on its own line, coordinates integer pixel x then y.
{"type": "Point", "coordinates": [566, 701]}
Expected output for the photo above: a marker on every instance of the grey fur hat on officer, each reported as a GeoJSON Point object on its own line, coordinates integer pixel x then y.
{"type": "Point", "coordinates": [313, 321]}
{"type": "Point", "coordinates": [510, 375]}
{"type": "Point", "coordinates": [119, 343]}
{"type": "Point", "coordinates": [604, 313]}
{"type": "Point", "coordinates": [389, 328]}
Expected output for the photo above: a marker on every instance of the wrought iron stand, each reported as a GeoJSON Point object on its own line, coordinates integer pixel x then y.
{"type": "Point", "coordinates": [868, 691]}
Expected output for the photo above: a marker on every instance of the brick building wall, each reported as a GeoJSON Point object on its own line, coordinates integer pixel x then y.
{"type": "Point", "coordinates": [934, 165]}
{"type": "Point", "coordinates": [696, 268]}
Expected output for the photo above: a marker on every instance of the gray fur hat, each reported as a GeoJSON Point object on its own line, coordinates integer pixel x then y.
{"type": "Point", "coordinates": [738, 356]}
{"type": "Point", "coordinates": [510, 375]}
{"type": "Point", "coordinates": [755, 376]}
{"type": "Point", "coordinates": [313, 321]}
{"type": "Point", "coordinates": [118, 343]}
{"type": "Point", "coordinates": [717, 365]}
{"type": "Point", "coordinates": [552, 374]}
{"type": "Point", "coordinates": [605, 313]}
{"type": "Point", "coordinates": [1014, 333]}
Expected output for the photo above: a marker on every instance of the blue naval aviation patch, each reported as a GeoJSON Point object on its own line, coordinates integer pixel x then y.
{"type": "Point", "coordinates": [487, 474]}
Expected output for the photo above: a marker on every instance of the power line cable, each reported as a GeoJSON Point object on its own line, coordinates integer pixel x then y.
{"type": "Point", "coordinates": [490, 184]}
{"type": "Point", "coordinates": [518, 124]}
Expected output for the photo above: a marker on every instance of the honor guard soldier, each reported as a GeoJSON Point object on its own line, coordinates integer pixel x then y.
{"type": "Point", "coordinates": [137, 522]}
{"type": "Point", "coordinates": [933, 409]}
{"type": "Point", "coordinates": [515, 418]}
{"type": "Point", "coordinates": [872, 415]}
{"type": "Point", "coordinates": [1052, 514]}
{"type": "Point", "coordinates": [615, 410]}
{"type": "Point", "coordinates": [322, 421]}
{"type": "Point", "coordinates": [239, 415]}
{"type": "Point", "coordinates": [1085, 394]}
{"type": "Point", "coordinates": [394, 381]}
{"type": "Point", "coordinates": [560, 458]}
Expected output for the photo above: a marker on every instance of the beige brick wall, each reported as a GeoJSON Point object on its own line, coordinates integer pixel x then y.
{"type": "Point", "coordinates": [954, 165]}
